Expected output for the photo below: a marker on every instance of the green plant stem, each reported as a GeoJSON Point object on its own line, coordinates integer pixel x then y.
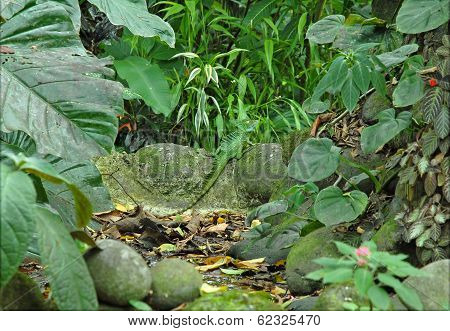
{"type": "Point", "coordinates": [363, 169]}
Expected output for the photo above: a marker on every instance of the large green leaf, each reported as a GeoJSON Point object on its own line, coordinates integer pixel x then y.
{"type": "Point", "coordinates": [135, 16]}
{"type": "Point", "coordinates": [87, 178]}
{"type": "Point", "coordinates": [332, 206]}
{"type": "Point", "coordinates": [409, 91]}
{"type": "Point", "coordinates": [59, 100]}
{"type": "Point", "coordinates": [314, 160]}
{"type": "Point", "coordinates": [398, 55]}
{"type": "Point", "coordinates": [266, 210]}
{"type": "Point", "coordinates": [388, 127]}
{"type": "Point", "coordinates": [325, 30]}
{"type": "Point", "coordinates": [42, 26]}
{"type": "Point", "coordinates": [350, 93]}
{"type": "Point", "coordinates": [148, 81]}
{"type": "Point", "coordinates": [18, 197]}
{"type": "Point", "coordinates": [417, 16]}
{"type": "Point", "coordinates": [44, 170]}
{"type": "Point", "coordinates": [258, 11]}
{"type": "Point", "coordinates": [363, 279]}
{"type": "Point", "coordinates": [379, 297]}
{"type": "Point", "coordinates": [69, 278]}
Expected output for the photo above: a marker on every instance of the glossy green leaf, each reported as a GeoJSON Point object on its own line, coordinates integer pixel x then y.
{"type": "Point", "coordinates": [361, 76]}
{"type": "Point", "coordinates": [417, 16]}
{"type": "Point", "coordinates": [363, 280]}
{"type": "Point", "coordinates": [350, 93]}
{"type": "Point", "coordinates": [409, 90]}
{"type": "Point", "coordinates": [388, 126]}
{"type": "Point", "coordinates": [398, 55]}
{"type": "Point", "coordinates": [337, 74]}
{"type": "Point", "coordinates": [54, 97]}
{"type": "Point", "coordinates": [18, 198]}
{"type": "Point", "coordinates": [379, 297]}
{"type": "Point", "coordinates": [68, 275]}
{"type": "Point", "coordinates": [314, 160]}
{"type": "Point", "coordinates": [148, 81]}
{"type": "Point", "coordinates": [378, 82]}
{"type": "Point", "coordinates": [135, 16]}
{"type": "Point", "coordinates": [258, 11]}
{"type": "Point", "coordinates": [44, 170]}
{"type": "Point", "coordinates": [85, 176]}
{"type": "Point", "coordinates": [326, 30]}
{"type": "Point", "coordinates": [332, 206]}
{"type": "Point", "coordinates": [339, 275]}
{"type": "Point", "coordinates": [43, 25]}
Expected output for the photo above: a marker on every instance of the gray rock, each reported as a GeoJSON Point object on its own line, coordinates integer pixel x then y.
{"type": "Point", "coordinates": [274, 246]}
{"type": "Point", "coordinates": [304, 304]}
{"type": "Point", "coordinates": [120, 274]}
{"type": "Point", "coordinates": [234, 300]}
{"type": "Point", "coordinates": [165, 178]}
{"type": "Point", "coordinates": [318, 243]}
{"type": "Point", "coordinates": [174, 282]}
{"type": "Point", "coordinates": [259, 170]}
{"type": "Point", "coordinates": [334, 296]}
{"type": "Point", "coordinates": [374, 104]}
{"type": "Point", "coordinates": [433, 289]}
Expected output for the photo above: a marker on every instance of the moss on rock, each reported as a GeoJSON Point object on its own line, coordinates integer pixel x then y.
{"type": "Point", "coordinates": [333, 297]}
{"type": "Point", "coordinates": [120, 274]}
{"type": "Point", "coordinates": [316, 244]}
{"type": "Point", "coordinates": [174, 282]}
{"type": "Point", "coordinates": [234, 300]}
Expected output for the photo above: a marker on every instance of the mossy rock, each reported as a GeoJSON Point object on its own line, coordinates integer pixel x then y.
{"type": "Point", "coordinates": [333, 297]}
{"type": "Point", "coordinates": [259, 170]}
{"type": "Point", "coordinates": [120, 274]}
{"type": "Point", "coordinates": [303, 304]}
{"type": "Point", "coordinates": [273, 247]}
{"type": "Point", "coordinates": [291, 141]}
{"type": "Point", "coordinates": [22, 293]}
{"type": "Point", "coordinates": [316, 244]}
{"type": "Point", "coordinates": [174, 282]}
{"type": "Point", "coordinates": [234, 300]}
{"type": "Point", "coordinates": [388, 236]}
{"type": "Point", "coordinates": [374, 104]}
{"type": "Point", "coordinates": [433, 289]}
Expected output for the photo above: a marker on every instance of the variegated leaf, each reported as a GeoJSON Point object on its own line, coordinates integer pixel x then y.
{"type": "Point", "coordinates": [430, 183]}
{"type": "Point", "coordinates": [432, 104]}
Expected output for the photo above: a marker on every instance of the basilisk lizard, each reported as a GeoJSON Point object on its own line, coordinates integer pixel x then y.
{"type": "Point", "coordinates": [231, 147]}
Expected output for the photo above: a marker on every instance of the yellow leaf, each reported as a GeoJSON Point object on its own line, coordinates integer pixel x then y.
{"type": "Point", "coordinates": [206, 288]}
{"type": "Point", "coordinates": [249, 264]}
{"type": "Point", "coordinates": [123, 208]}
{"type": "Point", "coordinates": [167, 248]}
{"type": "Point", "coordinates": [255, 223]}
{"type": "Point", "coordinates": [218, 228]}
{"type": "Point", "coordinates": [220, 220]}
{"type": "Point", "coordinates": [223, 260]}
{"type": "Point", "coordinates": [278, 291]}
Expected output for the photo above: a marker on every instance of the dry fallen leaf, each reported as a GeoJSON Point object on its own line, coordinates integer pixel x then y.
{"type": "Point", "coordinates": [214, 262]}
{"type": "Point", "coordinates": [206, 288]}
{"type": "Point", "coordinates": [217, 228]}
{"type": "Point", "coordinates": [254, 264]}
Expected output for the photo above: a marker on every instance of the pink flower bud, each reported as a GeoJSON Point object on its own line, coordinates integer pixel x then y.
{"type": "Point", "coordinates": [363, 251]}
{"type": "Point", "coordinates": [361, 262]}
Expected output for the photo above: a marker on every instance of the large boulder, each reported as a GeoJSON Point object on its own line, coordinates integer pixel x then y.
{"type": "Point", "coordinates": [299, 263]}
{"type": "Point", "coordinates": [22, 293]}
{"type": "Point", "coordinates": [303, 304]}
{"type": "Point", "coordinates": [164, 178]}
{"type": "Point", "coordinates": [174, 282]}
{"type": "Point", "coordinates": [120, 274]}
{"type": "Point", "coordinates": [273, 245]}
{"type": "Point", "coordinates": [259, 170]}
{"type": "Point", "coordinates": [335, 296]}
{"type": "Point", "coordinates": [433, 289]}
{"type": "Point", "coordinates": [234, 300]}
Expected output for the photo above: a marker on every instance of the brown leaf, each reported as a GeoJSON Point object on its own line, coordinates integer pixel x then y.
{"type": "Point", "coordinates": [254, 264]}
{"type": "Point", "coordinates": [217, 228]}
{"type": "Point", "coordinates": [430, 183]}
{"type": "Point", "coordinates": [217, 261]}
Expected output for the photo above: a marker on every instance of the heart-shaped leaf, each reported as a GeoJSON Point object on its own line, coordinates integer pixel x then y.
{"type": "Point", "coordinates": [135, 16]}
{"type": "Point", "coordinates": [417, 16]}
{"type": "Point", "coordinates": [332, 206]}
{"type": "Point", "coordinates": [388, 127]}
{"type": "Point", "coordinates": [314, 160]}
{"type": "Point", "coordinates": [325, 30]}
{"type": "Point", "coordinates": [409, 91]}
